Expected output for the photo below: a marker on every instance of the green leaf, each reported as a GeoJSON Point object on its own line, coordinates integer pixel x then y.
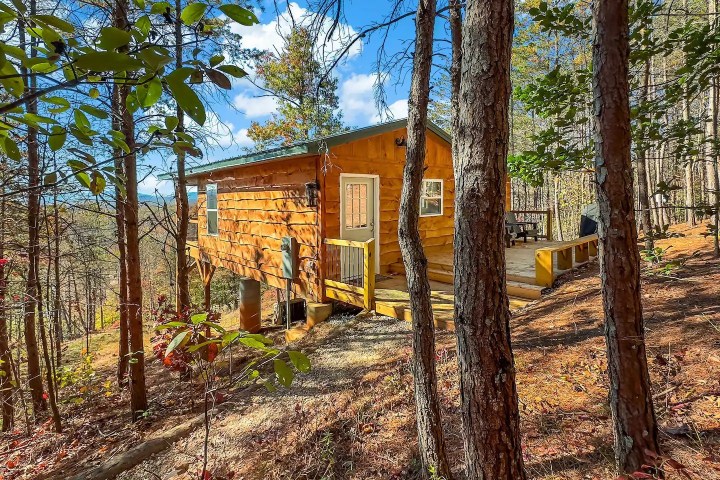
{"type": "Point", "coordinates": [192, 13]}
{"type": "Point", "coordinates": [228, 338]}
{"type": "Point", "coordinates": [54, 21]}
{"type": "Point", "coordinates": [176, 341]}
{"type": "Point", "coordinates": [185, 97]}
{"type": "Point", "coordinates": [57, 138]}
{"type": "Point", "coordinates": [112, 38]}
{"type": "Point", "coordinates": [283, 373]}
{"type": "Point", "coordinates": [11, 149]}
{"type": "Point", "coordinates": [83, 178]}
{"type": "Point", "coordinates": [95, 112]}
{"type": "Point", "coordinates": [50, 178]}
{"type": "Point", "coordinates": [144, 25]}
{"type": "Point", "coordinates": [252, 343]}
{"type": "Point", "coordinates": [94, 93]}
{"type": "Point", "coordinates": [300, 360]}
{"type": "Point", "coordinates": [241, 15]}
{"type": "Point", "coordinates": [233, 70]}
{"type": "Point", "coordinates": [140, 4]}
{"type": "Point", "coordinates": [81, 121]}
{"type": "Point", "coordinates": [62, 104]}
{"type": "Point", "coordinates": [216, 59]}
{"type": "Point", "coordinates": [198, 317]}
{"type": "Point", "coordinates": [160, 7]}
{"type": "Point", "coordinates": [171, 122]}
{"type": "Point", "coordinates": [97, 184]}
{"type": "Point", "coordinates": [12, 82]}
{"type": "Point", "coordinates": [173, 324]}
{"type": "Point", "coordinates": [107, 62]}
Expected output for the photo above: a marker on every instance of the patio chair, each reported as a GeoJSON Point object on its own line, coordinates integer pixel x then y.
{"type": "Point", "coordinates": [521, 229]}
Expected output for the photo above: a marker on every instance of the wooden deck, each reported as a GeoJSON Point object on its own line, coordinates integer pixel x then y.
{"type": "Point", "coordinates": [391, 297]}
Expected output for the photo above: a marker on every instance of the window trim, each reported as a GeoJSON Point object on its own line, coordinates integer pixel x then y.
{"type": "Point", "coordinates": [441, 197]}
{"type": "Point", "coordinates": [208, 210]}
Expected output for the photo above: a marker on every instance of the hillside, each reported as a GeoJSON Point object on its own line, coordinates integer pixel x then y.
{"type": "Point", "coordinates": [352, 417]}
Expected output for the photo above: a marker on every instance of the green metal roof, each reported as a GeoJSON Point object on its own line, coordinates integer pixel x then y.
{"type": "Point", "coordinates": [309, 147]}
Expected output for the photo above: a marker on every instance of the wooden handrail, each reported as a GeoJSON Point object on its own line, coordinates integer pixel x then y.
{"type": "Point", "coordinates": [361, 296]}
{"type": "Point", "coordinates": [584, 247]}
{"type": "Point", "coordinates": [548, 219]}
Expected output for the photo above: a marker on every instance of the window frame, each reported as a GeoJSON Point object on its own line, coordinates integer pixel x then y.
{"type": "Point", "coordinates": [441, 197]}
{"type": "Point", "coordinates": [351, 209]}
{"type": "Point", "coordinates": [211, 186]}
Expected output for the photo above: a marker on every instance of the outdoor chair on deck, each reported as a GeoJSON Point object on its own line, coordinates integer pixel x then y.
{"type": "Point", "coordinates": [520, 229]}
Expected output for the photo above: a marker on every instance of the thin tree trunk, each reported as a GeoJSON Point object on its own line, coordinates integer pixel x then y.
{"type": "Point", "coordinates": [33, 250]}
{"type": "Point", "coordinates": [6, 379]}
{"type": "Point", "coordinates": [711, 131]}
{"type": "Point", "coordinates": [433, 458]}
{"type": "Point", "coordinates": [689, 177]}
{"type": "Point", "coordinates": [630, 398]}
{"type": "Point", "coordinates": [641, 169]}
{"type": "Point", "coordinates": [138, 394]}
{"type": "Point", "coordinates": [488, 394]}
{"type": "Point", "coordinates": [123, 343]}
{"type": "Point", "coordinates": [49, 376]}
{"type": "Point", "coordinates": [181, 197]}
{"type": "Point", "coordinates": [715, 173]}
{"type": "Point", "coordinates": [57, 325]}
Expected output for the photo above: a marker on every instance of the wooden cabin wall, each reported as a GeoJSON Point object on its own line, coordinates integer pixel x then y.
{"type": "Point", "coordinates": [258, 205]}
{"type": "Point", "coordinates": [379, 155]}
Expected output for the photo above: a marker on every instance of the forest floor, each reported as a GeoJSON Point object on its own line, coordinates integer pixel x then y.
{"type": "Point", "coordinates": [352, 416]}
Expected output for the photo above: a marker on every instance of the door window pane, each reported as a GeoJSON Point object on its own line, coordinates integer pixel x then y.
{"type": "Point", "coordinates": [356, 215]}
{"type": "Point", "coordinates": [431, 198]}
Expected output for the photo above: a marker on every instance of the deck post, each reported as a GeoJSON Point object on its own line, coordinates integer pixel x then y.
{"type": "Point", "coordinates": [581, 253]}
{"type": "Point", "coordinates": [549, 225]}
{"type": "Point", "coordinates": [544, 267]}
{"type": "Point", "coordinates": [207, 270]}
{"type": "Point", "coordinates": [593, 248]}
{"type": "Point", "coordinates": [249, 304]}
{"type": "Point", "coordinates": [369, 275]}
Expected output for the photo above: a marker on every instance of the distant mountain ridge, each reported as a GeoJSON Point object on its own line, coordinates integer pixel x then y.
{"type": "Point", "coordinates": [151, 198]}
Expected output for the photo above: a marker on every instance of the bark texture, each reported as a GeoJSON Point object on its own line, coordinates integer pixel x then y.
{"type": "Point", "coordinates": [489, 404]}
{"type": "Point", "coordinates": [6, 379]}
{"type": "Point", "coordinates": [430, 435]}
{"type": "Point", "coordinates": [33, 248]}
{"type": "Point", "coordinates": [138, 394]}
{"type": "Point", "coordinates": [182, 300]}
{"type": "Point", "coordinates": [630, 398]}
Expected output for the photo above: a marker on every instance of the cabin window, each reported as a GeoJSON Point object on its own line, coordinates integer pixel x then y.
{"type": "Point", "coordinates": [211, 206]}
{"type": "Point", "coordinates": [431, 198]}
{"type": "Point", "coordinates": [356, 215]}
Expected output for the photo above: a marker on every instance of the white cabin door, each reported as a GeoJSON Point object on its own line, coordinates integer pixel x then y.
{"type": "Point", "coordinates": [357, 216]}
{"type": "Point", "coordinates": [357, 221]}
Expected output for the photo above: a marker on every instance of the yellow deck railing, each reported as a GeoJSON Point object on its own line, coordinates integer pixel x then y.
{"type": "Point", "coordinates": [583, 248]}
{"type": "Point", "coordinates": [350, 272]}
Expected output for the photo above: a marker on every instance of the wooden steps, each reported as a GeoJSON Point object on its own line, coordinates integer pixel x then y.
{"type": "Point", "coordinates": [518, 287]}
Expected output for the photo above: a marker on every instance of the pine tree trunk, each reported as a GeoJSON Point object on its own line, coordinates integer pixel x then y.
{"type": "Point", "coordinates": [488, 394]}
{"type": "Point", "coordinates": [433, 458]}
{"type": "Point", "coordinates": [33, 250]}
{"type": "Point", "coordinates": [641, 169]}
{"type": "Point", "coordinates": [630, 397]}
{"type": "Point", "coordinates": [6, 379]}
{"type": "Point", "coordinates": [57, 324]}
{"type": "Point", "coordinates": [181, 197]}
{"type": "Point", "coordinates": [138, 393]}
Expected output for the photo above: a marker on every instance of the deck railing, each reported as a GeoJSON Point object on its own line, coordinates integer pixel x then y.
{"type": "Point", "coordinates": [581, 249]}
{"type": "Point", "coordinates": [350, 271]}
{"type": "Point", "coordinates": [545, 225]}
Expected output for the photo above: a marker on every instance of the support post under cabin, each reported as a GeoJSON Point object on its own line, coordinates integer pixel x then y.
{"type": "Point", "coordinates": [249, 302]}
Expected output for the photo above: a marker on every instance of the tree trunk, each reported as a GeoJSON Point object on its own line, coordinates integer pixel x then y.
{"type": "Point", "coordinates": [49, 374]}
{"type": "Point", "coordinates": [488, 394]}
{"type": "Point", "coordinates": [712, 184]}
{"type": "Point", "coordinates": [641, 169]}
{"type": "Point", "coordinates": [433, 458]}
{"type": "Point", "coordinates": [123, 342]}
{"type": "Point", "coordinates": [630, 397]}
{"type": "Point", "coordinates": [715, 173]}
{"type": "Point", "coordinates": [6, 378]}
{"type": "Point", "coordinates": [57, 325]}
{"type": "Point", "coordinates": [181, 197]}
{"type": "Point", "coordinates": [138, 394]}
{"type": "Point", "coordinates": [33, 248]}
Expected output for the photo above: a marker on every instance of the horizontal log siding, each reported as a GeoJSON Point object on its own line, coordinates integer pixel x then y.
{"type": "Point", "coordinates": [379, 155]}
{"type": "Point", "coordinates": [258, 205]}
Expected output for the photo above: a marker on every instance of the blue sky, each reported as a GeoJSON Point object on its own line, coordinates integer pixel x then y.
{"type": "Point", "coordinates": [356, 76]}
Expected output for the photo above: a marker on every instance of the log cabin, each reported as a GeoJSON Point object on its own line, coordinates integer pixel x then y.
{"type": "Point", "coordinates": [319, 218]}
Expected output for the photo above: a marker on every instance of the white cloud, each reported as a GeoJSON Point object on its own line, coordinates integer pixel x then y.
{"type": "Point", "coordinates": [397, 109]}
{"type": "Point", "coordinates": [151, 185]}
{"type": "Point", "coordinates": [269, 36]}
{"type": "Point", "coordinates": [223, 133]}
{"type": "Point", "coordinates": [255, 106]}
